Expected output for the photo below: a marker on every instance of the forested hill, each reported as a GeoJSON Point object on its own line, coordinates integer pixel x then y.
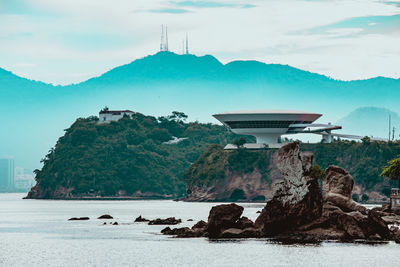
{"type": "Point", "coordinates": [124, 158]}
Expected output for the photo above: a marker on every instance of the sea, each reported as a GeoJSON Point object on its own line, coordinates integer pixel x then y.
{"type": "Point", "coordinates": [38, 233]}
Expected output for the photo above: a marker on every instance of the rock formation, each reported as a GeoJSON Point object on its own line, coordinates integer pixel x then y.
{"type": "Point", "coordinates": [141, 219]}
{"type": "Point", "coordinates": [224, 221]}
{"type": "Point", "coordinates": [297, 199]}
{"type": "Point", "coordinates": [105, 216]}
{"type": "Point", "coordinates": [78, 219]}
{"type": "Point", "coordinates": [167, 221]}
{"type": "Point", "coordinates": [300, 211]}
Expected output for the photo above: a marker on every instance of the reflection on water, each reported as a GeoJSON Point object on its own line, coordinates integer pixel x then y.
{"type": "Point", "coordinates": [38, 233]}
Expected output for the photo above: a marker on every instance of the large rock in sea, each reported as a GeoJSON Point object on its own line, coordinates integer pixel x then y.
{"type": "Point", "coordinates": [297, 199]}
{"type": "Point", "coordinates": [224, 221]}
{"type": "Point", "coordinates": [345, 217]}
{"type": "Point", "coordinates": [223, 217]}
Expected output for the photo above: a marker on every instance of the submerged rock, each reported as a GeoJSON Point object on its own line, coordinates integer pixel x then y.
{"type": "Point", "coordinates": [141, 219]}
{"type": "Point", "coordinates": [200, 225]}
{"type": "Point", "coordinates": [78, 219]}
{"type": "Point", "coordinates": [105, 216]}
{"type": "Point", "coordinates": [249, 232]}
{"type": "Point", "coordinates": [168, 221]}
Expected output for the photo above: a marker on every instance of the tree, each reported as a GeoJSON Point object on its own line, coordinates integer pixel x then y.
{"type": "Point", "coordinates": [316, 172]}
{"type": "Point", "coordinates": [178, 116]}
{"type": "Point", "coordinates": [392, 171]}
{"type": "Point", "coordinates": [239, 142]}
{"type": "Point", "coordinates": [366, 140]}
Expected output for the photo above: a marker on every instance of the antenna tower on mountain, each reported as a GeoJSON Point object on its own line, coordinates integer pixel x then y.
{"type": "Point", "coordinates": [390, 125]}
{"type": "Point", "coordinates": [164, 39]}
{"type": "Point", "coordinates": [187, 44]}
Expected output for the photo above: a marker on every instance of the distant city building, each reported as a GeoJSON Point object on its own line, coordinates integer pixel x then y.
{"type": "Point", "coordinates": [23, 181]}
{"type": "Point", "coordinates": [106, 115]}
{"type": "Point", "coordinates": [6, 173]}
{"type": "Point", "coordinates": [395, 199]}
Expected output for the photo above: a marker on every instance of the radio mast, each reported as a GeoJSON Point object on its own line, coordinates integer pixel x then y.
{"type": "Point", "coordinates": [187, 44]}
{"type": "Point", "coordinates": [164, 39]}
{"type": "Point", "coordinates": [390, 125]}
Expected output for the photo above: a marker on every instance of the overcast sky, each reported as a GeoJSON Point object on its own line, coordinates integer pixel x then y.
{"type": "Point", "coordinates": [68, 41]}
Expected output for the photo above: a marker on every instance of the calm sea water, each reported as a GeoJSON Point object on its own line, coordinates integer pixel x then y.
{"type": "Point", "coordinates": [37, 233]}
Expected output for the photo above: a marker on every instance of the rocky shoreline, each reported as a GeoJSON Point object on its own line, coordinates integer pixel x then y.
{"type": "Point", "coordinates": [302, 211]}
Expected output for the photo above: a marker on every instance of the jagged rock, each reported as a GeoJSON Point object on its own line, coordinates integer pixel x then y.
{"type": "Point", "coordinates": [184, 232]}
{"type": "Point", "coordinates": [390, 218]}
{"type": "Point", "coordinates": [166, 231]}
{"type": "Point", "coordinates": [377, 225]}
{"type": "Point", "coordinates": [396, 236]}
{"type": "Point", "coordinates": [244, 222]}
{"type": "Point", "coordinates": [115, 223]}
{"type": "Point", "coordinates": [168, 221]}
{"type": "Point", "coordinates": [337, 187]}
{"type": "Point", "coordinates": [141, 219]}
{"type": "Point", "coordinates": [297, 199]}
{"type": "Point", "coordinates": [106, 216]}
{"type": "Point", "coordinates": [223, 217]}
{"type": "Point", "coordinates": [338, 181]}
{"type": "Point", "coordinates": [200, 225]}
{"type": "Point", "coordinates": [78, 219]}
{"type": "Point", "coordinates": [176, 231]}
{"type": "Point", "coordinates": [249, 232]}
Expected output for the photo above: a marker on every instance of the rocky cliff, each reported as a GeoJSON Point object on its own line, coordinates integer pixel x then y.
{"type": "Point", "coordinates": [300, 211]}
{"type": "Point", "coordinates": [241, 175]}
{"type": "Point", "coordinates": [245, 175]}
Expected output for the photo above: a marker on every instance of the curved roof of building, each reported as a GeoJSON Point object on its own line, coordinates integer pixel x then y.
{"type": "Point", "coordinates": [267, 111]}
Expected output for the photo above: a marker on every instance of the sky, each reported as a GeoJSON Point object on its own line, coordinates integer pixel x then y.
{"type": "Point", "coordinates": [69, 41]}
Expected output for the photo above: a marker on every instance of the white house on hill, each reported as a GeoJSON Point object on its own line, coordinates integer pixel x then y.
{"type": "Point", "coordinates": [106, 115]}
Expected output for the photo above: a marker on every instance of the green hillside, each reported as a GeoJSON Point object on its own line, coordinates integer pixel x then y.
{"type": "Point", "coordinates": [125, 158]}
{"type": "Point", "coordinates": [364, 161]}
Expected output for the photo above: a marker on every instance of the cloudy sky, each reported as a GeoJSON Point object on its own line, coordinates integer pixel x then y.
{"type": "Point", "coordinates": [68, 41]}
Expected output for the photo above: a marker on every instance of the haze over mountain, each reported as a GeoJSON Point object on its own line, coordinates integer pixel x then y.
{"type": "Point", "coordinates": [37, 112]}
{"type": "Point", "coordinates": [371, 121]}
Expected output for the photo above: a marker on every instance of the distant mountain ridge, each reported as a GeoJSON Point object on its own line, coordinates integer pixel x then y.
{"type": "Point", "coordinates": [371, 121]}
{"type": "Point", "coordinates": [160, 83]}
{"type": "Point", "coordinates": [197, 67]}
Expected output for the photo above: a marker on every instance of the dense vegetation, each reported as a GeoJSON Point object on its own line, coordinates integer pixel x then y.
{"type": "Point", "coordinates": [128, 156]}
{"type": "Point", "coordinates": [364, 160]}
{"type": "Point", "coordinates": [213, 163]}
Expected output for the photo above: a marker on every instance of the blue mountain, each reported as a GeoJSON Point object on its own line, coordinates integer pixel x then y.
{"type": "Point", "coordinates": [371, 121]}
{"type": "Point", "coordinates": [157, 84]}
